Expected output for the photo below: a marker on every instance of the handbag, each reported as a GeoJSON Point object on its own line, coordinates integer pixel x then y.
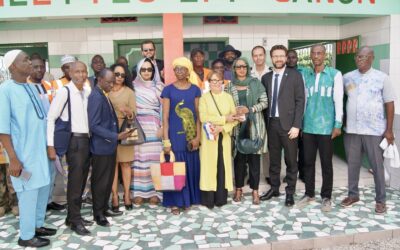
{"type": "Point", "coordinates": [168, 176]}
{"type": "Point", "coordinates": [62, 130]}
{"type": "Point", "coordinates": [247, 145]}
{"type": "Point", "coordinates": [137, 136]}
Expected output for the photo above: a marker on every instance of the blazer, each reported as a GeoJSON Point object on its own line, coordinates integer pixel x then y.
{"type": "Point", "coordinates": [92, 79]}
{"type": "Point", "coordinates": [291, 98]}
{"type": "Point", "coordinates": [103, 124]}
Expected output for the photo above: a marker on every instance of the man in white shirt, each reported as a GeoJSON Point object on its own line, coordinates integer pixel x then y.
{"type": "Point", "coordinates": [78, 154]}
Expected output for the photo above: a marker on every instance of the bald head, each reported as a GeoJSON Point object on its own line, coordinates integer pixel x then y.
{"type": "Point", "coordinates": [78, 73]}
{"type": "Point", "coordinates": [364, 58]}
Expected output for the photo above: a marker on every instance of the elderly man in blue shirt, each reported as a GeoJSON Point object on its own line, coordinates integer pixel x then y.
{"type": "Point", "coordinates": [23, 134]}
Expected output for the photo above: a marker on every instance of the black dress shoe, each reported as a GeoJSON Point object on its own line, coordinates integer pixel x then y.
{"type": "Point", "coordinates": [289, 201]}
{"type": "Point", "coordinates": [84, 222]}
{"type": "Point", "coordinates": [43, 231]}
{"type": "Point", "coordinates": [80, 229]}
{"type": "Point", "coordinates": [268, 195]}
{"type": "Point", "coordinates": [34, 242]}
{"type": "Point", "coordinates": [128, 207]}
{"type": "Point", "coordinates": [55, 206]}
{"type": "Point", "coordinates": [110, 213]}
{"type": "Point", "coordinates": [115, 209]}
{"type": "Point", "coordinates": [102, 221]}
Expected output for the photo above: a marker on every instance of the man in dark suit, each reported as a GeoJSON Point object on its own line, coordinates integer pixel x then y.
{"type": "Point", "coordinates": [103, 125]}
{"type": "Point", "coordinates": [285, 90]}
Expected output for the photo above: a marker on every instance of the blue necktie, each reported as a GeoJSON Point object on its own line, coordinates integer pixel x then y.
{"type": "Point", "coordinates": [274, 96]}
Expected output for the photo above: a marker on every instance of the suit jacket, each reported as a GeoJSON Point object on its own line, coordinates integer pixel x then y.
{"type": "Point", "coordinates": [92, 81]}
{"type": "Point", "coordinates": [103, 124]}
{"type": "Point", "coordinates": [290, 98]}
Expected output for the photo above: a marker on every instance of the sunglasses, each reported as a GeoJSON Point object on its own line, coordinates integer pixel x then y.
{"type": "Point", "coordinates": [241, 67]}
{"type": "Point", "coordinates": [147, 50]}
{"type": "Point", "coordinates": [117, 74]}
{"type": "Point", "coordinates": [142, 70]}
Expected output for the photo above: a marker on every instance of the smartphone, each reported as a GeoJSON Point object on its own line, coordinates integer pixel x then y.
{"type": "Point", "coordinates": [25, 175]}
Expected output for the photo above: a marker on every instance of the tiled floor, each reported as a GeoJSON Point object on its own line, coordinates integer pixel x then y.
{"type": "Point", "coordinates": [269, 225]}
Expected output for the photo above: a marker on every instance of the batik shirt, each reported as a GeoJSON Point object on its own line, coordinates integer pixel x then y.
{"type": "Point", "coordinates": [367, 94]}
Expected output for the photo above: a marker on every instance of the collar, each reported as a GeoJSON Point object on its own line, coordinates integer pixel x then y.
{"type": "Point", "coordinates": [254, 69]}
{"type": "Point", "coordinates": [102, 91]}
{"type": "Point", "coordinates": [281, 73]}
{"type": "Point", "coordinates": [366, 73]}
{"type": "Point", "coordinates": [74, 89]}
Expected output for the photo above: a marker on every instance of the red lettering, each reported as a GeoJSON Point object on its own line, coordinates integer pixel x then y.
{"type": "Point", "coordinates": [371, 1]}
{"type": "Point", "coordinates": [41, 2]}
{"type": "Point", "coordinates": [283, 1]}
{"type": "Point", "coordinates": [147, 1]}
{"type": "Point", "coordinates": [95, 1]}
{"type": "Point", "coordinates": [1, 2]}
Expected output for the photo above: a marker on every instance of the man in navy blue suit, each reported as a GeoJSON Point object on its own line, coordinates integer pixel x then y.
{"type": "Point", "coordinates": [103, 126]}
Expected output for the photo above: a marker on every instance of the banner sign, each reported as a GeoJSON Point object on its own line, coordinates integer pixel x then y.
{"type": "Point", "coordinates": [13, 9]}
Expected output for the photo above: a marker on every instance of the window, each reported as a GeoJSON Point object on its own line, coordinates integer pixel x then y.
{"type": "Point", "coordinates": [220, 20]}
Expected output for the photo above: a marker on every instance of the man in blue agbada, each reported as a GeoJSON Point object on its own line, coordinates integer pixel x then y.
{"type": "Point", "coordinates": [23, 134]}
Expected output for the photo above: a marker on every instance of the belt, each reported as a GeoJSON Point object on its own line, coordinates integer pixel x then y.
{"type": "Point", "coordinates": [274, 118]}
{"type": "Point", "coordinates": [86, 135]}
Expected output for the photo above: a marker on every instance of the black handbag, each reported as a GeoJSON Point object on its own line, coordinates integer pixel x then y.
{"type": "Point", "coordinates": [247, 145]}
{"type": "Point", "coordinates": [137, 136]}
{"type": "Point", "coordinates": [62, 130]}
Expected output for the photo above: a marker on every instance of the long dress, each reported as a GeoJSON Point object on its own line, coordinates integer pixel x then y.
{"type": "Point", "coordinates": [216, 155]}
{"type": "Point", "coordinates": [148, 106]}
{"type": "Point", "coordinates": [182, 110]}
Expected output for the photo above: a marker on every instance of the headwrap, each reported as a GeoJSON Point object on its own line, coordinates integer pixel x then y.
{"type": "Point", "coordinates": [10, 57]}
{"type": "Point", "coordinates": [67, 59]}
{"type": "Point", "coordinates": [184, 62]}
{"type": "Point", "coordinates": [155, 76]}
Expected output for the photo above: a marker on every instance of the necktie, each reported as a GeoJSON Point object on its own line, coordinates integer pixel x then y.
{"type": "Point", "coordinates": [274, 96]}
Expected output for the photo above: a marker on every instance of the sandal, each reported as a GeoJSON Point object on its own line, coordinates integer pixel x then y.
{"type": "Point", "coordinates": [256, 197]}
{"type": "Point", "coordinates": [138, 201]}
{"type": "Point", "coordinates": [238, 195]}
{"type": "Point", "coordinates": [154, 200]}
{"type": "Point", "coordinates": [175, 210]}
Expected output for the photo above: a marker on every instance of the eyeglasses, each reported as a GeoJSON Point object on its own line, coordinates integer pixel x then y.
{"type": "Point", "coordinates": [117, 74]}
{"type": "Point", "coordinates": [214, 81]}
{"type": "Point", "coordinates": [361, 57]}
{"type": "Point", "coordinates": [142, 70]}
{"type": "Point", "coordinates": [241, 67]}
{"type": "Point", "coordinates": [147, 50]}
{"type": "Point", "coordinates": [180, 69]}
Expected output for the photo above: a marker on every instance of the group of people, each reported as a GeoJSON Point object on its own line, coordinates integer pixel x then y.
{"type": "Point", "coordinates": [220, 121]}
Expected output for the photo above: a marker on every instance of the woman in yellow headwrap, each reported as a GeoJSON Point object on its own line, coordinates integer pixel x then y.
{"type": "Point", "coordinates": [181, 109]}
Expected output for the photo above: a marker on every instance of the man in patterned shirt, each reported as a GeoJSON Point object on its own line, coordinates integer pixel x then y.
{"type": "Point", "coordinates": [370, 114]}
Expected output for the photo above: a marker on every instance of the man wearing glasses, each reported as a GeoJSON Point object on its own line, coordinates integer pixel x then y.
{"type": "Point", "coordinates": [370, 114]}
{"type": "Point", "coordinates": [149, 51]}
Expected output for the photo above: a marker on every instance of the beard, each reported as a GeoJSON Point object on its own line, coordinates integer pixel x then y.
{"type": "Point", "coordinates": [279, 65]}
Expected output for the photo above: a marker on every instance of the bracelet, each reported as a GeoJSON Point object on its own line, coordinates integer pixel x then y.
{"type": "Point", "coordinates": [166, 143]}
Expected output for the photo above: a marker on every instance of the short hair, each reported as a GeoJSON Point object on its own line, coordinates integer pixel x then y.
{"type": "Point", "coordinates": [278, 47]}
{"type": "Point", "coordinates": [122, 58]}
{"type": "Point", "coordinates": [147, 42]}
{"type": "Point", "coordinates": [195, 51]}
{"type": "Point", "coordinates": [292, 50]}
{"type": "Point", "coordinates": [258, 47]}
{"type": "Point", "coordinates": [218, 60]}
{"type": "Point", "coordinates": [318, 45]}
{"type": "Point", "coordinates": [103, 72]}
{"type": "Point", "coordinates": [219, 75]}
{"type": "Point", "coordinates": [99, 56]}
{"type": "Point", "coordinates": [368, 48]}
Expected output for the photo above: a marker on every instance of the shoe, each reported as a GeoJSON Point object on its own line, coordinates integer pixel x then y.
{"type": "Point", "coordinates": [256, 197]}
{"type": "Point", "coordinates": [138, 201]}
{"type": "Point", "coordinates": [289, 201]}
{"type": "Point", "coordinates": [175, 210]}
{"type": "Point", "coordinates": [238, 195]}
{"type": "Point", "coordinates": [380, 208]}
{"type": "Point", "coordinates": [154, 200]}
{"type": "Point", "coordinates": [101, 220]}
{"type": "Point", "coordinates": [55, 206]}
{"type": "Point", "coordinates": [304, 201]}
{"type": "Point", "coordinates": [80, 229]}
{"type": "Point", "coordinates": [34, 242]}
{"type": "Point", "coordinates": [326, 205]}
{"type": "Point", "coordinates": [115, 209]}
{"type": "Point", "coordinates": [110, 213]}
{"type": "Point", "coordinates": [349, 201]}
{"type": "Point", "coordinates": [43, 231]}
{"type": "Point", "coordinates": [268, 180]}
{"type": "Point", "coordinates": [128, 207]}
{"type": "Point", "coordinates": [15, 210]}
{"type": "Point", "coordinates": [268, 195]}
{"type": "Point", "coordinates": [86, 223]}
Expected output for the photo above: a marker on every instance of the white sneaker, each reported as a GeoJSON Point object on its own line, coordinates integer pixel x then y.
{"type": "Point", "coordinates": [326, 205]}
{"type": "Point", "coordinates": [304, 201]}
